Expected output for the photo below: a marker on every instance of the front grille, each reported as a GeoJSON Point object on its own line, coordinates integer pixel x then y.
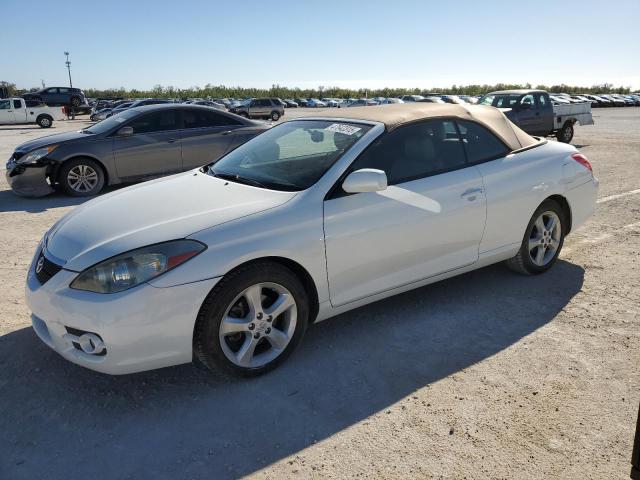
{"type": "Point", "coordinates": [45, 268]}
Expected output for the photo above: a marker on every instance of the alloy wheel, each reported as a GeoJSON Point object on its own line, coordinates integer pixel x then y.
{"type": "Point", "coordinates": [544, 240]}
{"type": "Point", "coordinates": [258, 325]}
{"type": "Point", "coordinates": [82, 178]}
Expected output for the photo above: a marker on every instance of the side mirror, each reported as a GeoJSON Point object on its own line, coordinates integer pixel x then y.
{"type": "Point", "coordinates": [125, 132]}
{"type": "Point", "coordinates": [525, 106]}
{"type": "Point", "coordinates": [365, 180]}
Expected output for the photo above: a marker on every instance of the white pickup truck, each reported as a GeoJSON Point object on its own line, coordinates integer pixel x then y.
{"type": "Point", "coordinates": [19, 110]}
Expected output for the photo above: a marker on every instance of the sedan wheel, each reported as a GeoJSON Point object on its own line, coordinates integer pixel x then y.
{"type": "Point", "coordinates": [252, 320]}
{"type": "Point", "coordinates": [542, 240]}
{"type": "Point", "coordinates": [81, 178]}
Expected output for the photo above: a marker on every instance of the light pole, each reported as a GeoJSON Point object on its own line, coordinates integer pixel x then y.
{"type": "Point", "coordinates": [68, 64]}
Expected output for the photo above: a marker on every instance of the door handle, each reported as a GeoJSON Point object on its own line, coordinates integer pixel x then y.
{"type": "Point", "coordinates": [171, 140]}
{"type": "Point", "coordinates": [472, 193]}
{"type": "Point", "coordinates": [226, 132]}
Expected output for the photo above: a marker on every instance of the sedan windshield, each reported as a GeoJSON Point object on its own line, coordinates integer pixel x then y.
{"type": "Point", "coordinates": [111, 122]}
{"type": "Point", "coordinates": [291, 156]}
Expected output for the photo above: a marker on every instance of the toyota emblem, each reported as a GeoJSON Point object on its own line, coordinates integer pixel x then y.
{"type": "Point", "coordinates": [40, 264]}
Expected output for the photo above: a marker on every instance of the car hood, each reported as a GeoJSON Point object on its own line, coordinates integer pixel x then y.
{"type": "Point", "coordinates": [165, 209]}
{"type": "Point", "coordinates": [50, 140]}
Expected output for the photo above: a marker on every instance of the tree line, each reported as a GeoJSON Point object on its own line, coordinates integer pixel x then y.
{"type": "Point", "coordinates": [222, 91]}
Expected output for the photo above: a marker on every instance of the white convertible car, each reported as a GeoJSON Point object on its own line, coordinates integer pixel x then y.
{"type": "Point", "coordinates": [229, 263]}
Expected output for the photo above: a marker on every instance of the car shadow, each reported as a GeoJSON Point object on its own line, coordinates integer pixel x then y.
{"type": "Point", "coordinates": [182, 422]}
{"type": "Point", "coordinates": [10, 202]}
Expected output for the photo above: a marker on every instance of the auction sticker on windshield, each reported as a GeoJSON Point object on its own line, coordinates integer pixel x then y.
{"type": "Point", "coordinates": [342, 128]}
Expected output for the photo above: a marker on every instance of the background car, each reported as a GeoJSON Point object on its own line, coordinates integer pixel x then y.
{"type": "Point", "coordinates": [432, 100]}
{"type": "Point", "coordinates": [290, 103]}
{"type": "Point", "coordinates": [272, 108]}
{"type": "Point", "coordinates": [315, 103]}
{"type": "Point", "coordinates": [137, 144]}
{"type": "Point", "coordinates": [411, 98]}
{"type": "Point", "coordinates": [60, 96]}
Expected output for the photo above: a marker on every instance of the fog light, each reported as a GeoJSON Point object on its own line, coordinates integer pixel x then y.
{"type": "Point", "coordinates": [91, 343]}
{"type": "Point", "coordinates": [88, 342]}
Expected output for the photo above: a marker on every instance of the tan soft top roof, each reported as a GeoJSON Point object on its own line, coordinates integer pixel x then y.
{"type": "Point", "coordinates": [398, 114]}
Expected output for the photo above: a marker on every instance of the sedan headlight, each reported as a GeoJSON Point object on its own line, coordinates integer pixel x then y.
{"type": "Point", "coordinates": [132, 268]}
{"type": "Point", "coordinates": [35, 155]}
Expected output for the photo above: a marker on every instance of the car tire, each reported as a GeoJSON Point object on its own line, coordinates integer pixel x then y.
{"type": "Point", "coordinates": [81, 177]}
{"type": "Point", "coordinates": [565, 134]}
{"type": "Point", "coordinates": [244, 114]}
{"type": "Point", "coordinates": [220, 343]}
{"type": "Point", "coordinates": [542, 242]}
{"type": "Point", "coordinates": [75, 102]}
{"type": "Point", "coordinates": [275, 116]}
{"type": "Point", "coordinates": [44, 121]}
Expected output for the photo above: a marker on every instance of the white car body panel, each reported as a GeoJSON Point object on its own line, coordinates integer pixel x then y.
{"type": "Point", "coordinates": [439, 226]}
{"type": "Point", "coordinates": [417, 219]}
{"type": "Point", "coordinates": [146, 213]}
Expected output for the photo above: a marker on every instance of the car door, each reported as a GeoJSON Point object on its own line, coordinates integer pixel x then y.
{"type": "Point", "coordinates": [205, 136]}
{"type": "Point", "coordinates": [429, 220]}
{"type": "Point", "coordinates": [6, 112]}
{"type": "Point", "coordinates": [544, 124]}
{"type": "Point", "coordinates": [154, 147]}
{"type": "Point", "coordinates": [19, 111]}
{"type": "Point", "coordinates": [528, 118]}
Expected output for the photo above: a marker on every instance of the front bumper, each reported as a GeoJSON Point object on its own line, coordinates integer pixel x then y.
{"type": "Point", "coordinates": [142, 328]}
{"type": "Point", "coordinates": [28, 180]}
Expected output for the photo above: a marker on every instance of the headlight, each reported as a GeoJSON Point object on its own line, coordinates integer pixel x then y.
{"type": "Point", "coordinates": [132, 268]}
{"type": "Point", "coordinates": [35, 155]}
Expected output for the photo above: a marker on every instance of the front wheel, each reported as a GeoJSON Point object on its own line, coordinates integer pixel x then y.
{"type": "Point", "coordinates": [81, 178]}
{"type": "Point", "coordinates": [542, 240]}
{"type": "Point", "coordinates": [565, 134]}
{"type": "Point", "coordinates": [252, 320]}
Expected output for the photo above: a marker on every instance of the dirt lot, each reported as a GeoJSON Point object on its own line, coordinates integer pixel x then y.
{"type": "Point", "coordinates": [487, 375]}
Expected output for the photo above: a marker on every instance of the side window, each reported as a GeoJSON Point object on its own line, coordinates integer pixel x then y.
{"type": "Point", "coordinates": [5, 104]}
{"type": "Point", "coordinates": [480, 143]}
{"type": "Point", "coordinates": [203, 118]}
{"type": "Point", "coordinates": [155, 122]}
{"type": "Point", "coordinates": [17, 104]}
{"type": "Point", "coordinates": [542, 101]}
{"type": "Point", "coordinates": [63, 90]}
{"type": "Point", "coordinates": [415, 151]}
{"type": "Point", "coordinates": [527, 99]}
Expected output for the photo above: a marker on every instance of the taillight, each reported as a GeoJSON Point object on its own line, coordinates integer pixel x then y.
{"type": "Point", "coordinates": [582, 160]}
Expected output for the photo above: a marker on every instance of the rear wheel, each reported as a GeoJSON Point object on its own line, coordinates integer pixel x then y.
{"type": "Point", "coordinates": [252, 320]}
{"type": "Point", "coordinates": [275, 116]}
{"type": "Point", "coordinates": [565, 134]}
{"type": "Point", "coordinates": [81, 177]}
{"type": "Point", "coordinates": [542, 240]}
{"type": "Point", "coordinates": [45, 121]}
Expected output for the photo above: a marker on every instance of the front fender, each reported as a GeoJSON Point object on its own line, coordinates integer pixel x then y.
{"type": "Point", "coordinates": [292, 232]}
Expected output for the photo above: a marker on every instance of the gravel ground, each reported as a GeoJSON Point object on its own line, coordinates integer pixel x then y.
{"type": "Point", "coordinates": [487, 375]}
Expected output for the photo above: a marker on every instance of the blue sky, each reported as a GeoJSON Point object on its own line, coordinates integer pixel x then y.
{"type": "Point", "coordinates": [307, 43]}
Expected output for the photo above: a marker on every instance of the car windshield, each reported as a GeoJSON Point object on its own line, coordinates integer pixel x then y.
{"type": "Point", "coordinates": [291, 156]}
{"type": "Point", "coordinates": [500, 101]}
{"type": "Point", "coordinates": [111, 122]}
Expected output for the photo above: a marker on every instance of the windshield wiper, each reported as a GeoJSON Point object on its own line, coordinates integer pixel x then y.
{"type": "Point", "coordinates": [237, 178]}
